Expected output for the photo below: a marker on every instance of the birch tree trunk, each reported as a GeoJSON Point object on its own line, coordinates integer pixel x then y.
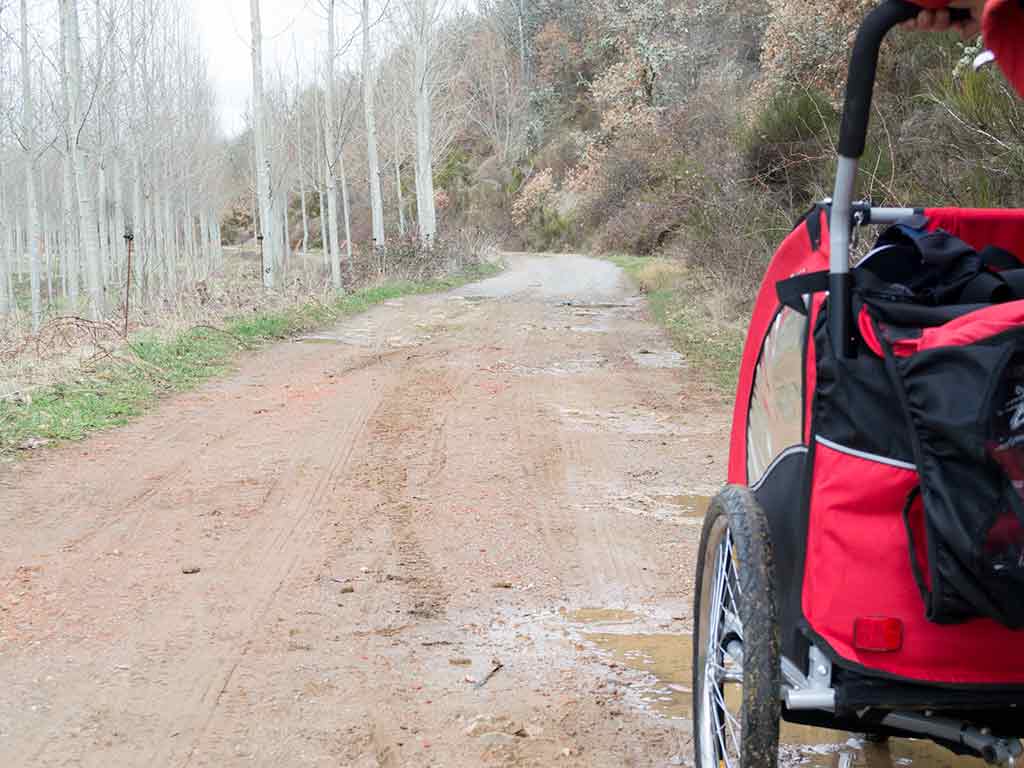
{"type": "Point", "coordinates": [286, 239]}
{"type": "Point", "coordinates": [398, 184]}
{"type": "Point", "coordinates": [323, 223]}
{"type": "Point", "coordinates": [302, 182]}
{"type": "Point", "coordinates": [86, 204]}
{"type": "Point", "coordinates": [101, 216]}
{"type": "Point", "coordinates": [331, 151]}
{"type": "Point", "coordinates": [71, 242]}
{"type": "Point", "coordinates": [118, 226]}
{"type": "Point", "coordinates": [48, 262]}
{"type": "Point", "coordinates": [6, 305]}
{"type": "Point", "coordinates": [271, 247]}
{"type": "Point", "coordinates": [218, 241]}
{"type": "Point", "coordinates": [425, 212]}
{"type": "Point", "coordinates": [138, 228]}
{"type": "Point", "coordinates": [373, 165]}
{"type": "Point", "coordinates": [28, 138]}
{"type": "Point", "coordinates": [347, 210]}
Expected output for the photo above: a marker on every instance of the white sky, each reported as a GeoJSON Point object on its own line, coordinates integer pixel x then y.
{"type": "Point", "coordinates": [224, 28]}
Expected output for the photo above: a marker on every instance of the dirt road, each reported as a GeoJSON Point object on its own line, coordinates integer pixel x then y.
{"type": "Point", "coordinates": [379, 516]}
{"type": "Point", "coordinates": [458, 530]}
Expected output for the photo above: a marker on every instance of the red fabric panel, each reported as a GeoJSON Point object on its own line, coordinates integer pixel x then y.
{"type": "Point", "coordinates": [858, 564]}
{"type": "Point", "coordinates": [817, 302]}
{"type": "Point", "coordinates": [1003, 28]}
{"type": "Point", "coordinates": [980, 227]}
{"type": "Point", "coordinates": [794, 257]}
{"type": "Point", "coordinates": [966, 330]}
{"type": "Point", "coordinates": [867, 332]}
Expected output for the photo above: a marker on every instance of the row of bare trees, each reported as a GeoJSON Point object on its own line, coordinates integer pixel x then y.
{"type": "Point", "coordinates": [406, 77]}
{"type": "Point", "coordinates": [115, 176]}
{"type": "Point", "coordinates": [117, 139]}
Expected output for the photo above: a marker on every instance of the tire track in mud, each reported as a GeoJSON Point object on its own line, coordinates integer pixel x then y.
{"type": "Point", "coordinates": [406, 450]}
{"type": "Point", "coordinates": [288, 545]}
{"type": "Point", "coordinates": [280, 531]}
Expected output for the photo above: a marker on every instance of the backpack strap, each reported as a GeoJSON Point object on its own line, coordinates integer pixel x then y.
{"type": "Point", "coordinates": [791, 292]}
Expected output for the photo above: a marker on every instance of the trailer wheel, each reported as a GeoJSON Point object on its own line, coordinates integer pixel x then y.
{"type": "Point", "coordinates": [736, 638]}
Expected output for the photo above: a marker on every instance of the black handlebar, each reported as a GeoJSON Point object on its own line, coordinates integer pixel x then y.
{"type": "Point", "coordinates": [864, 66]}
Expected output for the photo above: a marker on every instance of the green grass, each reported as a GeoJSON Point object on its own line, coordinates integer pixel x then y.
{"type": "Point", "coordinates": [126, 386]}
{"type": "Point", "coordinates": [678, 303]}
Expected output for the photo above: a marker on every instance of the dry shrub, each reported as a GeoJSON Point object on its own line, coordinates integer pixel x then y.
{"type": "Point", "coordinates": [790, 144]}
{"type": "Point", "coordinates": [642, 226]}
{"type": "Point", "coordinates": [808, 42]}
{"type": "Point", "coordinates": [660, 275]}
{"type": "Point", "coordinates": [409, 258]}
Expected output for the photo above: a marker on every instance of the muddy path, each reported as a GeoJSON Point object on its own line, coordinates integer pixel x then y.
{"type": "Point", "coordinates": [458, 530]}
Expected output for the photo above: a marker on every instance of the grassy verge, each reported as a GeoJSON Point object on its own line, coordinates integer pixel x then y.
{"type": "Point", "coordinates": [687, 306]}
{"type": "Point", "coordinates": [129, 382]}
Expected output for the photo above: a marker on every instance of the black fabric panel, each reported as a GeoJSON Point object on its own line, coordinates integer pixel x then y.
{"type": "Point", "coordinates": [780, 494]}
{"type": "Point", "coordinates": [905, 314]}
{"type": "Point", "coordinates": [953, 395]}
{"type": "Point", "coordinates": [813, 222]}
{"type": "Point", "coordinates": [855, 690]}
{"type": "Point", "coordinates": [855, 404]}
{"type": "Point", "coordinates": [998, 258]}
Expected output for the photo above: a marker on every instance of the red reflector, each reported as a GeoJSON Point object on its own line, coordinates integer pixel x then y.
{"type": "Point", "coordinates": [878, 634]}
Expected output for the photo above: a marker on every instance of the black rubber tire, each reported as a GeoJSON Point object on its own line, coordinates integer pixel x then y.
{"type": "Point", "coordinates": [736, 510]}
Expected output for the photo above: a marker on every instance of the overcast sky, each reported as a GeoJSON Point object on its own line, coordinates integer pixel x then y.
{"type": "Point", "coordinates": [224, 27]}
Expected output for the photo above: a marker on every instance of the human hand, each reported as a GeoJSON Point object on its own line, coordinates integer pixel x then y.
{"type": "Point", "coordinates": [939, 21]}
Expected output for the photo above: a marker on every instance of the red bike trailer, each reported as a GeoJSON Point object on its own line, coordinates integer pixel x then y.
{"type": "Point", "coordinates": [820, 595]}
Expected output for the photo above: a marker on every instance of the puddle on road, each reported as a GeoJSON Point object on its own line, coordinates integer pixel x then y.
{"type": "Point", "coordinates": [563, 367]}
{"type": "Point", "coordinates": [688, 505]}
{"type": "Point", "coordinates": [856, 753]}
{"type": "Point", "coordinates": [321, 340]}
{"type": "Point", "coordinates": [661, 664]}
{"type": "Point", "coordinates": [661, 504]}
{"type": "Point", "coordinates": [601, 616]}
{"type": "Point", "coordinates": [646, 358]}
{"type": "Point", "coordinates": [634, 423]}
{"type": "Point", "coordinates": [664, 660]}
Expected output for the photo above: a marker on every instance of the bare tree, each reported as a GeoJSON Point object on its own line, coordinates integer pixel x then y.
{"type": "Point", "coordinates": [88, 223]}
{"type": "Point", "coordinates": [28, 141]}
{"type": "Point", "coordinates": [373, 165]}
{"type": "Point", "coordinates": [494, 92]}
{"type": "Point", "coordinates": [268, 222]}
{"type": "Point", "coordinates": [331, 150]}
{"type": "Point", "coordinates": [420, 20]}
